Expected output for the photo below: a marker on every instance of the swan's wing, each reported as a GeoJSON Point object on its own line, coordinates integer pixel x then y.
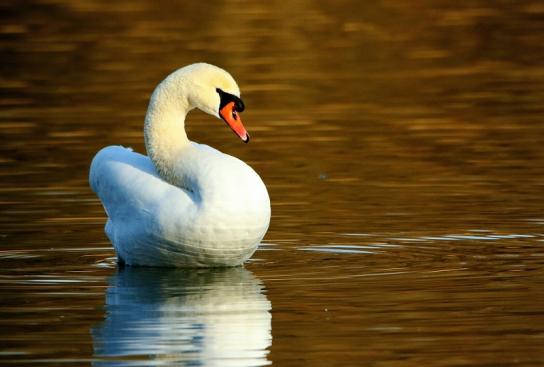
{"type": "Point", "coordinates": [123, 179]}
{"type": "Point", "coordinates": [138, 202]}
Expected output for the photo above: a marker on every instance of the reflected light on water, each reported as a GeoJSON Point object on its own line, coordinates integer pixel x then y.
{"type": "Point", "coordinates": [184, 317]}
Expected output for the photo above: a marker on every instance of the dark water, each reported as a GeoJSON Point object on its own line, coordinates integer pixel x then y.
{"type": "Point", "coordinates": [402, 144]}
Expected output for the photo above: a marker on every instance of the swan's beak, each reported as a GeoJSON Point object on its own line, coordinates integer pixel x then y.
{"type": "Point", "coordinates": [232, 118]}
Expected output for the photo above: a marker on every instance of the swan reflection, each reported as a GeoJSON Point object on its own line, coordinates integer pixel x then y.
{"type": "Point", "coordinates": [204, 317]}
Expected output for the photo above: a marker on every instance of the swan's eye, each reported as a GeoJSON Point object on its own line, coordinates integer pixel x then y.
{"type": "Point", "coordinates": [226, 98]}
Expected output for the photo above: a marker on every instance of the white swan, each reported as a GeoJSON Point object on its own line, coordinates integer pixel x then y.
{"type": "Point", "coordinates": [186, 204]}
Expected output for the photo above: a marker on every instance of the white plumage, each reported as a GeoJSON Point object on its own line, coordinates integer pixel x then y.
{"type": "Point", "coordinates": [187, 204]}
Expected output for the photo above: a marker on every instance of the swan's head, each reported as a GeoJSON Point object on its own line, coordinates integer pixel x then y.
{"type": "Point", "coordinates": [214, 91]}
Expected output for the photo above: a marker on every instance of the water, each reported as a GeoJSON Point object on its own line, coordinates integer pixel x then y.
{"type": "Point", "coordinates": [402, 145]}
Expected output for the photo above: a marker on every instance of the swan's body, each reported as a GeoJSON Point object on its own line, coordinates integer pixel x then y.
{"type": "Point", "coordinates": [186, 204]}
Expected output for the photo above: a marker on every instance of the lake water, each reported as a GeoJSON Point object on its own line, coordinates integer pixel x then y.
{"type": "Point", "coordinates": [402, 144]}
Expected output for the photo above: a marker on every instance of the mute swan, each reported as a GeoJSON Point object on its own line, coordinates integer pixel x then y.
{"type": "Point", "coordinates": [185, 204]}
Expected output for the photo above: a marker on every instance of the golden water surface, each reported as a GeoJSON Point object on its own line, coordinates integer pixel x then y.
{"type": "Point", "coordinates": [402, 144]}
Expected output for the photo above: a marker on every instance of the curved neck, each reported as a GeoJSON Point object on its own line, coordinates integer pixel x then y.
{"type": "Point", "coordinates": [164, 130]}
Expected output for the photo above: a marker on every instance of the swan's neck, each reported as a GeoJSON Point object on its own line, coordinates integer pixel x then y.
{"type": "Point", "coordinates": [164, 132]}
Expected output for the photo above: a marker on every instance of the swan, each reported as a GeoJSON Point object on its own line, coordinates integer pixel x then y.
{"type": "Point", "coordinates": [184, 204]}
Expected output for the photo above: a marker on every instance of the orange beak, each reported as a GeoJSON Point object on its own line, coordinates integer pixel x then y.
{"type": "Point", "coordinates": [232, 118]}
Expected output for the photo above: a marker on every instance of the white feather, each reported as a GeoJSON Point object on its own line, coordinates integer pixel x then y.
{"type": "Point", "coordinates": [186, 204]}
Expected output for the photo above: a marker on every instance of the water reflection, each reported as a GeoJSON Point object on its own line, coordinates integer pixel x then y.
{"type": "Point", "coordinates": [207, 317]}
